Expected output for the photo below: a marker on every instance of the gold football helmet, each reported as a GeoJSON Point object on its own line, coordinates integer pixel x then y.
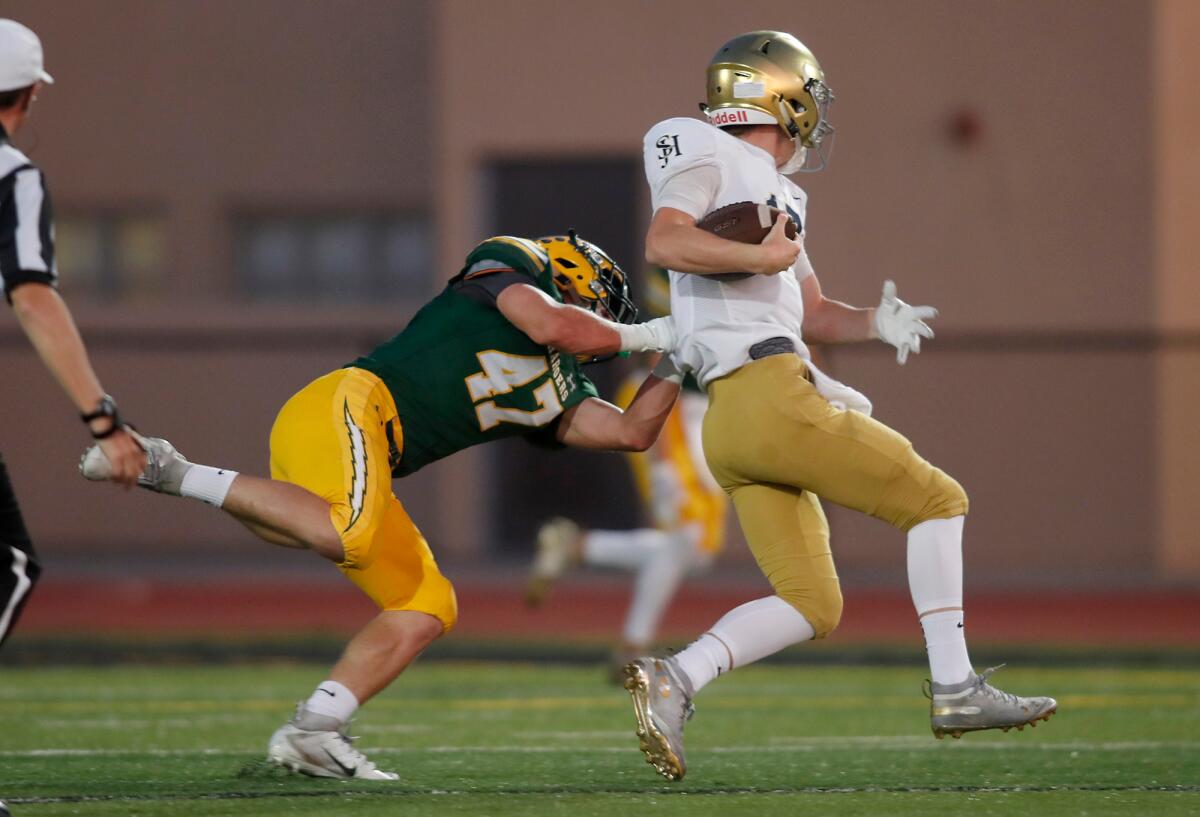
{"type": "Point", "coordinates": [770, 77]}
{"type": "Point", "coordinates": [588, 277]}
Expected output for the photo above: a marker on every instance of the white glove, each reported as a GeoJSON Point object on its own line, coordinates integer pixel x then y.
{"type": "Point", "coordinates": [902, 325]}
{"type": "Point", "coordinates": [657, 335]}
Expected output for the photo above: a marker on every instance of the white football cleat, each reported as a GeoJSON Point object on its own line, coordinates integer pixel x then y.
{"type": "Point", "coordinates": [974, 705]}
{"type": "Point", "coordinates": [321, 752]}
{"type": "Point", "coordinates": [165, 466]}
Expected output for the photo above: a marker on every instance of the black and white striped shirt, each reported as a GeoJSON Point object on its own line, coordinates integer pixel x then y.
{"type": "Point", "coordinates": [26, 222]}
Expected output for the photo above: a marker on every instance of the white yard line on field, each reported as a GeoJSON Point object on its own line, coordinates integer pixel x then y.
{"type": "Point", "coordinates": [895, 743]}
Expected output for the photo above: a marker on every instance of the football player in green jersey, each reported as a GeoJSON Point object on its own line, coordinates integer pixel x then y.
{"type": "Point", "coordinates": [497, 353]}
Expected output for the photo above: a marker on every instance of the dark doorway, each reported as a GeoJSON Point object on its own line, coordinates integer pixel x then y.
{"type": "Point", "coordinates": [601, 199]}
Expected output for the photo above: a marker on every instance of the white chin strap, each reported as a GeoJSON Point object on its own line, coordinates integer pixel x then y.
{"type": "Point", "coordinates": [796, 163]}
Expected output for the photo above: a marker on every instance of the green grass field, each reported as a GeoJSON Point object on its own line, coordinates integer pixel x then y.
{"type": "Point", "coordinates": [502, 738]}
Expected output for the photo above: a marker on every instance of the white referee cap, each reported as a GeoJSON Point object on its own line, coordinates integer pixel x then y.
{"type": "Point", "coordinates": [20, 57]}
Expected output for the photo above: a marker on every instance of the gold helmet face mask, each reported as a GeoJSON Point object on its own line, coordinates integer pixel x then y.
{"type": "Point", "coordinates": [770, 77]}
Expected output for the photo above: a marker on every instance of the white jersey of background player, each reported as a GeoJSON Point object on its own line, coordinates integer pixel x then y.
{"type": "Point", "coordinates": [777, 434]}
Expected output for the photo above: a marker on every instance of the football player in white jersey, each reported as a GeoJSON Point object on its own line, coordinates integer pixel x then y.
{"type": "Point", "coordinates": [778, 433]}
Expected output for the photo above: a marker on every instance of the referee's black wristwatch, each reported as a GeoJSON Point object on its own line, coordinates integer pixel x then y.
{"type": "Point", "coordinates": [107, 407]}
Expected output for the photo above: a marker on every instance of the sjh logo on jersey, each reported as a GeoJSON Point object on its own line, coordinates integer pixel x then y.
{"type": "Point", "coordinates": [668, 146]}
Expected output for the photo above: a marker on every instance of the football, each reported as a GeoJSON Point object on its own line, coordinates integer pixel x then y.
{"type": "Point", "coordinates": [744, 221]}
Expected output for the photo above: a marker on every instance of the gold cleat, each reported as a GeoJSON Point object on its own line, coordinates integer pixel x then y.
{"type": "Point", "coordinates": [661, 704]}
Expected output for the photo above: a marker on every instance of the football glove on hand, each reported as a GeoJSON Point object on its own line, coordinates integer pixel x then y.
{"type": "Point", "coordinates": [902, 325]}
{"type": "Point", "coordinates": [657, 335]}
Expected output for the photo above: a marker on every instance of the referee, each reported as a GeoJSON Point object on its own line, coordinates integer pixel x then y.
{"type": "Point", "coordinates": [27, 278]}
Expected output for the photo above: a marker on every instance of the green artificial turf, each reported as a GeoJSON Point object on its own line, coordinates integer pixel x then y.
{"type": "Point", "coordinates": [502, 738]}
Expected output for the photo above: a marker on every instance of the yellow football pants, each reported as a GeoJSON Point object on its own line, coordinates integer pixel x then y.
{"type": "Point", "coordinates": [332, 438]}
{"type": "Point", "coordinates": [700, 503]}
{"type": "Point", "coordinates": [775, 445]}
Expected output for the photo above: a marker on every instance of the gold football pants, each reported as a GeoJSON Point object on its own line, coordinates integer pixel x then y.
{"type": "Point", "coordinates": [332, 438]}
{"type": "Point", "coordinates": [775, 445]}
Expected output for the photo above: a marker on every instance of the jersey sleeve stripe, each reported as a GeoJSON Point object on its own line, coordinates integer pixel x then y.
{"type": "Point", "coordinates": [32, 253]}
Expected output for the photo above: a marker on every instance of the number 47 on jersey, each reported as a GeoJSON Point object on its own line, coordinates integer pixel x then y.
{"type": "Point", "coordinates": [502, 374]}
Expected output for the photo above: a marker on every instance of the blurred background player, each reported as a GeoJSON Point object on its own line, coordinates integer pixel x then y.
{"type": "Point", "coordinates": [28, 278]}
{"type": "Point", "coordinates": [779, 434]}
{"type": "Point", "coordinates": [685, 504]}
{"type": "Point", "coordinates": [498, 353]}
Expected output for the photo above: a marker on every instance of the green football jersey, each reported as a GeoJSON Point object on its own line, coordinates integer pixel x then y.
{"type": "Point", "coordinates": [462, 375]}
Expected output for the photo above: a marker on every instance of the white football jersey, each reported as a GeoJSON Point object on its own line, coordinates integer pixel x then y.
{"type": "Point", "coordinates": [718, 318]}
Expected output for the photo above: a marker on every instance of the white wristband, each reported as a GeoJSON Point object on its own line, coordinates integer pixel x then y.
{"type": "Point", "coordinates": [633, 336]}
{"type": "Point", "coordinates": [656, 335]}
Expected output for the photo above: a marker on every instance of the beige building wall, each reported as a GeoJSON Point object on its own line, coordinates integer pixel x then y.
{"type": "Point", "coordinates": [200, 108]}
{"type": "Point", "coordinates": [1177, 209]}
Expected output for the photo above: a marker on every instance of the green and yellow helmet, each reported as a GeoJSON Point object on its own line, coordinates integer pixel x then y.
{"type": "Point", "coordinates": [588, 277]}
{"type": "Point", "coordinates": [771, 78]}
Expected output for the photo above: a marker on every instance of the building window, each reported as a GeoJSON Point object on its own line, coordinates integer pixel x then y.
{"type": "Point", "coordinates": [110, 255]}
{"type": "Point", "coordinates": [337, 257]}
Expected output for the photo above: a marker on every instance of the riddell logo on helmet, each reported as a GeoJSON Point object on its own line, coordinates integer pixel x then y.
{"type": "Point", "coordinates": [729, 118]}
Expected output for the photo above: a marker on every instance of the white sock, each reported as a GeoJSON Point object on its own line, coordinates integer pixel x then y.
{"type": "Point", "coordinates": [656, 582]}
{"type": "Point", "coordinates": [935, 581]}
{"type": "Point", "coordinates": [947, 647]}
{"type": "Point", "coordinates": [207, 484]}
{"type": "Point", "coordinates": [333, 700]}
{"type": "Point", "coordinates": [744, 635]}
{"type": "Point", "coordinates": [625, 549]}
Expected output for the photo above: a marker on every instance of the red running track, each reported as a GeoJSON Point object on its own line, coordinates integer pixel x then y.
{"type": "Point", "coordinates": [592, 611]}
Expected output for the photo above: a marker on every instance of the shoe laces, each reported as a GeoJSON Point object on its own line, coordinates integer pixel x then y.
{"type": "Point", "coordinates": [983, 686]}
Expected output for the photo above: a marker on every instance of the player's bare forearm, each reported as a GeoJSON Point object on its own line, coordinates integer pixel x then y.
{"type": "Point", "coordinates": [836, 322]}
{"type": "Point", "coordinates": [648, 412]}
{"type": "Point", "coordinates": [674, 242]}
{"type": "Point", "coordinates": [563, 327]}
{"type": "Point", "coordinates": [48, 324]}
{"type": "Point", "coordinates": [829, 321]}
{"type": "Point", "coordinates": [597, 424]}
